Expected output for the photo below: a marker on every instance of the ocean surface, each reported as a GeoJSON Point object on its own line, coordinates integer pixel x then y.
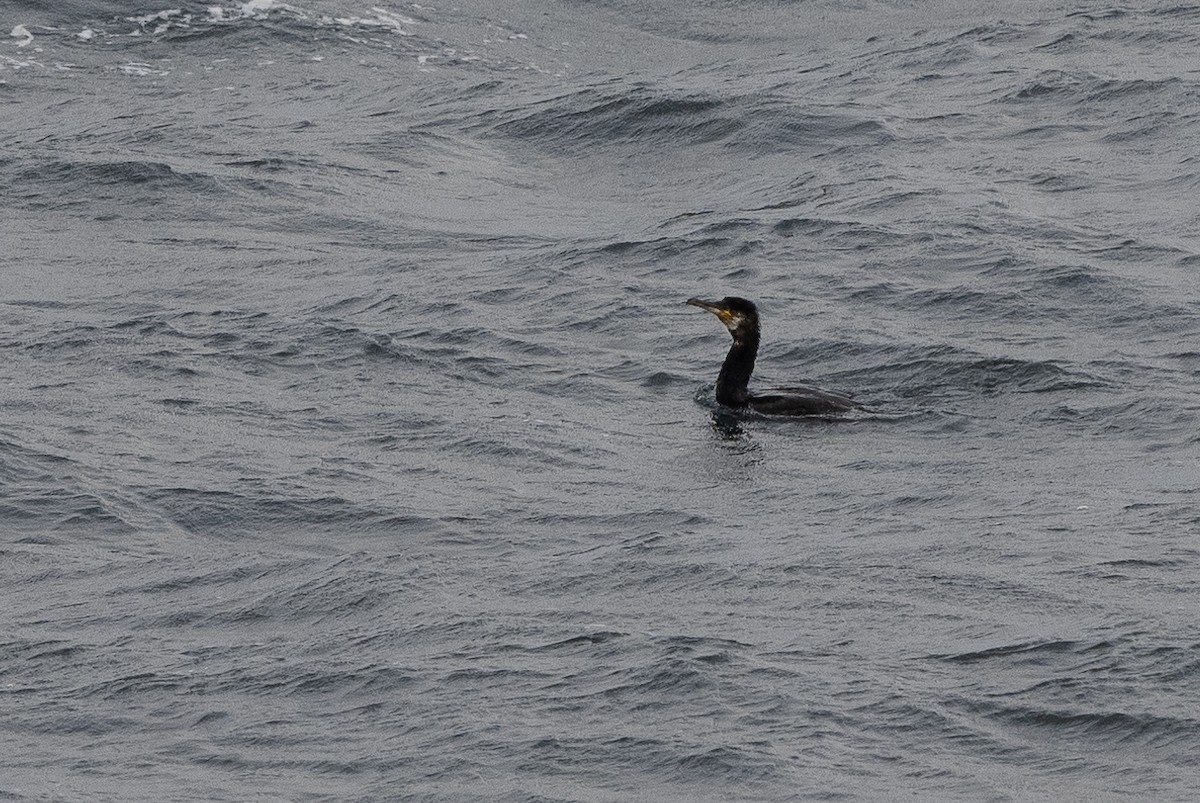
{"type": "Point", "coordinates": [356, 442]}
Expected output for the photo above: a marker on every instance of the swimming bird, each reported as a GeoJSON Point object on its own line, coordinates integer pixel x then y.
{"type": "Point", "coordinates": [741, 319]}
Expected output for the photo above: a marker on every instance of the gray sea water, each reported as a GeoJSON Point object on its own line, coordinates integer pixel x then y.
{"type": "Point", "coordinates": [356, 443]}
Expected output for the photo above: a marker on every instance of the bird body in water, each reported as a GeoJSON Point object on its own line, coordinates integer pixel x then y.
{"type": "Point", "coordinates": [741, 319]}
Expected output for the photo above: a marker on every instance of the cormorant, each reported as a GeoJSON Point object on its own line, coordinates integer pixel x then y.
{"type": "Point", "coordinates": [741, 319]}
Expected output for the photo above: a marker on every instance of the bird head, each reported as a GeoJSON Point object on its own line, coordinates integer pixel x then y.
{"type": "Point", "coordinates": [738, 314]}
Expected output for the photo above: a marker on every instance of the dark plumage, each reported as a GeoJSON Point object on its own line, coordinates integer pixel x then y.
{"type": "Point", "coordinates": [741, 319]}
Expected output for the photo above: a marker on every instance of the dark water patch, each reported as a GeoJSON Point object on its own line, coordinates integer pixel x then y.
{"type": "Point", "coordinates": [599, 118]}
{"type": "Point", "coordinates": [333, 679]}
{"type": "Point", "coordinates": [1145, 415]}
{"type": "Point", "coordinates": [1142, 128]}
{"type": "Point", "coordinates": [1088, 88]}
{"type": "Point", "coordinates": [632, 370]}
{"type": "Point", "coordinates": [1093, 96]}
{"type": "Point", "coordinates": [639, 115]}
{"type": "Point", "coordinates": [703, 645]}
{"type": "Point", "coordinates": [1170, 35]}
{"type": "Point", "coordinates": [849, 235]}
{"type": "Point", "coordinates": [460, 337]}
{"type": "Point", "coordinates": [933, 371]}
{"type": "Point", "coordinates": [52, 651]}
{"type": "Point", "coordinates": [69, 338]}
{"type": "Point", "coordinates": [272, 163]}
{"type": "Point", "coordinates": [582, 641]}
{"type": "Point", "coordinates": [633, 571]}
{"type": "Point", "coordinates": [354, 305]}
{"type": "Point", "coordinates": [1049, 85]}
{"type": "Point", "coordinates": [1075, 279]}
{"type": "Point", "coordinates": [899, 717]}
{"type": "Point", "coordinates": [653, 686]}
{"type": "Point", "coordinates": [151, 176]}
{"type": "Point", "coordinates": [63, 511]}
{"type": "Point", "coordinates": [611, 528]}
{"type": "Point", "coordinates": [1052, 132]}
{"type": "Point", "coordinates": [1108, 728]}
{"type": "Point", "coordinates": [1139, 89]}
{"type": "Point", "coordinates": [665, 379]}
{"type": "Point", "coordinates": [1140, 563]}
{"type": "Point", "coordinates": [36, 464]}
{"type": "Point", "coordinates": [1064, 43]}
{"type": "Point", "coordinates": [336, 592]}
{"type": "Point", "coordinates": [1102, 15]}
{"type": "Point", "coordinates": [1174, 666]}
{"type": "Point", "coordinates": [63, 720]}
{"type": "Point", "coordinates": [376, 679]}
{"type": "Point", "coordinates": [1055, 182]}
{"type": "Point", "coordinates": [781, 126]}
{"type": "Point", "coordinates": [39, 304]}
{"type": "Point", "coordinates": [654, 251]}
{"type": "Point", "coordinates": [735, 225]}
{"type": "Point", "coordinates": [492, 676]}
{"type": "Point", "coordinates": [738, 240]}
{"type": "Point", "coordinates": [148, 326]}
{"type": "Point", "coordinates": [892, 200]}
{"type": "Point", "coordinates": [225, 576]}
{"type": "Point", "coordinates": [1124, 249]}
{"type": "Point", "coordinates": [961, 301]}
{"type": "Point", "coordinates": [996, 374]}
{"type": "Point", "coordinates": [136, 686]}
{"type": "Point", "coordinates": [691, 761]}
{"type": "Point", "coordinates": [1036, 652]}
{"type": "Point", "coordinates": [200, 342]}
{"type": "Point", "coordinates": [233, 515]}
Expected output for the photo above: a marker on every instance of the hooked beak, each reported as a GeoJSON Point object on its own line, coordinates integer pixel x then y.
{"type": "Point", "coordinates": [712, 306]}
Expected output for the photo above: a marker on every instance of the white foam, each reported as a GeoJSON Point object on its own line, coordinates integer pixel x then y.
{"type": "Point", "coordinates": [85, 34]}
{"type": "Point", "coordinates": [17, 64]}
{"type": "Point", "coordinates": [19, 32]}
{"type": "Point", "coordinates": [257, 7]}
{"type": "Point", "coordinates": [164, 15]}
{"type": "Point", "coordinates": [138, 68]}
{"type": "Point", "coordinates": [160, 22]}
{"type": "Point", "coordinates": [384, 14]}
{"type": "Point", "coordinates": [383, 19]}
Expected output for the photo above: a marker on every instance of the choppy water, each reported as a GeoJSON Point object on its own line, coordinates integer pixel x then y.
{"type": "Point", "coordinates": [357, 444]}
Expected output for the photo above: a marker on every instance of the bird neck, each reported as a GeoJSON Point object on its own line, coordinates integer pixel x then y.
{"type": "Point", "coordinates": [734, 380]}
